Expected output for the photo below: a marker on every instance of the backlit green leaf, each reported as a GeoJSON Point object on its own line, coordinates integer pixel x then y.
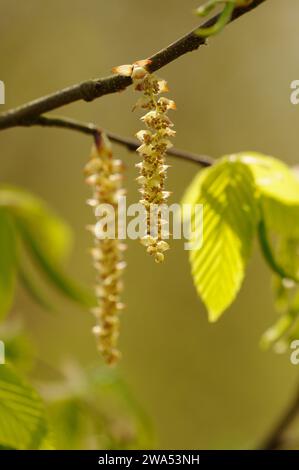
{"type": "Point", "coordinates": [273, 178]}
{"type": "Point", "coordinates": [279, 201]}
{"type": "Point", "coordinates": [22, 415]}
{"type": "Point", "coordinates": [278, 188]}
{"type": "Point", "coordinates": [230, 215]}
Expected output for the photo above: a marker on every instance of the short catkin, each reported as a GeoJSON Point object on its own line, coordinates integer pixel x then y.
{"type": "Point", "coordinates": [105, 176]}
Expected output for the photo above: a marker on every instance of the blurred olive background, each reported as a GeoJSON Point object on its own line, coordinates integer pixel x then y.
{"type": "Point", "coordinates": [204, 386]}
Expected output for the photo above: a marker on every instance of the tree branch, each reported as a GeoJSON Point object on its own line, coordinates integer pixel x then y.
{"type": "Point", "coordinates": [92, 89]}
{"type": "Point", "coordinates": [276, 438]}
{"type": "Point", "coordinates": [130, 144]}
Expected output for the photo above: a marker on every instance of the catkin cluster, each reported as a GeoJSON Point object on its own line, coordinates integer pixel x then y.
{"type": "Point", "coordinates": [104, 175]}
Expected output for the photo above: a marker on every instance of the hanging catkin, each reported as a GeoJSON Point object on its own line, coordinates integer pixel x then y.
{"type": "Point", "coordinates": [154, 144]}
{"type": "Point", "coordinates": [104, 175]}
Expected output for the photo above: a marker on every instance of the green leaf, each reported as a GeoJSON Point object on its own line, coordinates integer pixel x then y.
{"type": "Point", "coordinates": [7, 262]}
{"type": "Point", "coordinates": [48, 239]}
{"type": "Point", "coordinates": [53, 271]}
{"type": "Point", "coordinates": [280, 217]}
{"type": "Point", "coordinates": [278, 189]}
{"type": "Point", "coordinates": [53, 233]}
{"type": "Point", "coordinates": [22, 415]}
{"type": "Point", "coordinates": [272, 192]}
{"type": "Point", "coordinates": [286, 263]}
{"type": "Point", "coordinates": [280, 242]}
{"type": "Point", "coordinates": [279, 197]}
{"type": "Point", "coordinates": [273, 178]}
{"type": "Point", "coordinates": [279, 200]}
{"type": "Point", "coordinates": [230, 215]}
{"type": "Point", "coordinates": [34, 290]}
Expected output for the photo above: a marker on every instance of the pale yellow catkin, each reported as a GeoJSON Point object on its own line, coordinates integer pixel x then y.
{"type": "Point", "coordinates": [154, 144]}
{"type": "Point", "coordinates": [105, 176]}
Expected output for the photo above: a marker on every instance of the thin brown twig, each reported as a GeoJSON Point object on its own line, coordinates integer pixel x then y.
{"type": "Point", "coordinates": [130, 144]}
{"type": "Point", "coordinates": [275, 440]}
{"type": "Point", "coordinates": [92, 89]}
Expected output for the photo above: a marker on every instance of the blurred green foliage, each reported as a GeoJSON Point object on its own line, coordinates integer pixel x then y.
{"type": "Point", "coordinates": [90, 409]}
{"type": "Point", "coordinates": [74, 413]}
{"type": "Point", "coordinates": [27, 223]}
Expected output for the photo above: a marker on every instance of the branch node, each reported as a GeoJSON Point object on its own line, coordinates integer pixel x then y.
{"type": "Point", "coordinates": [88, 90]}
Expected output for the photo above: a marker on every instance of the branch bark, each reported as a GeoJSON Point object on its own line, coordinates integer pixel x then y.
{"type": "Point", "coordinates": [92, 89]}
{"type": "Point", "coordinates": [130, 144]}
{"type": "Point", "coordinates": [276, 437]}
